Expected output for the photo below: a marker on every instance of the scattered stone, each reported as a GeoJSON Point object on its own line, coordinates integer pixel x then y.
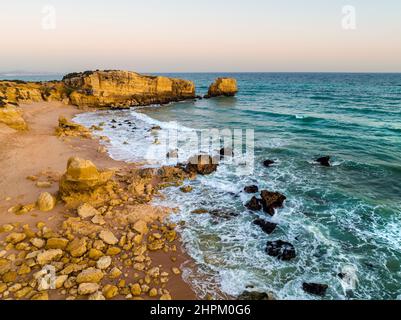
{"type": "Point", "coordinates": [108, 237]}
{"type": "Point", "coordinates": [282, 250]}
{"type": "Point", "coordinates": [98, 219]}
{"type": "Point", "coordinates": [141, 227]}
{"type": "Point", "coordinates": [37, 242]}
{"type": "Point", "coordinates": [251, 189]}
{"type": "Point", "coordinates": [266, 226]}
{"type": "Point", "coordinates": [97, 296]}
{"type": "Point", "coordinates": [109, 291]}
{"type": "Point", "coordinates": [46, 202]}
{"type": "Point", "coordinates": [87, 211]}
{"type": "Point", "coordinates": [136, 289]}
{"type": "Point", "coordinates": [15, 237]}
{"type": "Point", "coordinates": [87, 288]}
{"type": "Point", "coordinates": [92, 275]}
{"type": "Point", "coordinates": [172, 154]}
{"type": "Point", "coordinates": [103, 262]}
{"type": "Point", "coordinates": [6, 228]}
{"type": "Point", "coordinates": [315, 288]}
{"type": "Point", "coordinates": [153, 292]}
{"type": "Point", "coordinates": [48, 256]}
{"type": "Point", "coordinates": [43, 184]}
{"type": "Point", "coordinates": [56, 243]}
{"type": "Point", "coordinates": [271, 201]}
{"type": "Point", "coordinates": [77, 247]}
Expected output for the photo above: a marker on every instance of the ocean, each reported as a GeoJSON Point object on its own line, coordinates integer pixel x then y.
{"type": "Point", "coordinates": [343, 219]}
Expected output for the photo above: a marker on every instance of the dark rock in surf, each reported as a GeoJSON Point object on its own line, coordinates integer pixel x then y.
{"type": "Point", "coordinates": [251, 189]}
{"type": "Point", "coordinates": [282, 250]}
{"type": "Point", "coordinates": [324, 161]}
{"type": "Point", "coordinates": [271, 201]}
{"type": "Point", "coordinates": [201, 164]}
{"type": "Point", "coordinates": [253, 296]}
{"type": "Point", "coordinates": [266, 226]}
{"type": "Point", "coordinates": [223, 213]}
{"type": "Point", "coordinates": [268, 163]}
{"type": "Point", "coordinates": [172, 154]}
{"type": "Point", "coordinates": [226, 152]}
{"type": "Point", "coordinates": [254, 204]}
{"type": "Point", "coordinates": [316, 289]}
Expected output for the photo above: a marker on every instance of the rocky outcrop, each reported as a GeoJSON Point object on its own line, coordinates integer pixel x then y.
{"type": "Point", "coordinates": [98, 89]}
{"type": "Point", "coordinates": [223, 87]}
{"type": "Point", "coordinates": [67, 128]}
{"type": "Point", "coordinates": [324, 161]}
{"type": "Point", "coordinates": [12, 117]}
{"type": "Point", "coordinates": [83, 183]}
{"type": "Point", "coordinates": [271, 201]}
{"type": "Point", "coordinates": [122, 89]}
{"type": "Point", "coordinates": [315, 288]}
{"type": "Point", "coordinates": [281, 250]}
{"type": "Point", "coordinates": [201, 164]}
{"type": "Point", "coordinates": [266, 226]}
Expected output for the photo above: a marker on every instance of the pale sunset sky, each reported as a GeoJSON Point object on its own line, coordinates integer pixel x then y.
{"type": "Point", "coordinates": [200, 36]}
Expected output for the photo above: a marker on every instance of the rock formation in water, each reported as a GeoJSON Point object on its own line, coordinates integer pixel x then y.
{"type": "Point", "coordinates": [223, 87]}
{"type": "Point", "coordinates": [99, 89]}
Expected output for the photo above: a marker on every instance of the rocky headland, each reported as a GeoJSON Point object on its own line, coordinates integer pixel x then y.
{"type": "Point", "coordinates": [92, 89]}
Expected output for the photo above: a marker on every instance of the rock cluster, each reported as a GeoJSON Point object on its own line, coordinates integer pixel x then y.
{"type": "Point", "coordinates": [67, 128]}
{"type": "Point", "coordinates": [222, 87]}
{"type": "Point", "coordinates": [82, 259]}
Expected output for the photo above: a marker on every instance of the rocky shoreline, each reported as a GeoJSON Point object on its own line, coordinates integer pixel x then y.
{"type": "Point", "coordinates": [102, 238]}
{"type": "Point", "coordinates": [83, 232]}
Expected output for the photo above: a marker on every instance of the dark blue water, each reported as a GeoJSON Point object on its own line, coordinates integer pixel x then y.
{"type": "Point", "coordinates": [346, 218]}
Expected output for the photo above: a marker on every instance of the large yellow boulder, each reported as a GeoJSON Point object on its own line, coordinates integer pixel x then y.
{"type": "Point", "coordinates": [12, 117]}
{"type": "Point", "coordinates": [223, 87]}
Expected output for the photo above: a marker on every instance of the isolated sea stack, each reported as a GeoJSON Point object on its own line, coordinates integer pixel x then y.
{"type": "Point", "coordinates": [226, 87]}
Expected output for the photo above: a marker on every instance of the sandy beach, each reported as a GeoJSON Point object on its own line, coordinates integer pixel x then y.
{"type": "Point", "coordinates": [42, 156]}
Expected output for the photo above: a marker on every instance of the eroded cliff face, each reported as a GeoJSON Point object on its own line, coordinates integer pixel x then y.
{"type": "Point", "coordinates": [124, 89]}
{"type": "Point", "coordinates": [98, 89]}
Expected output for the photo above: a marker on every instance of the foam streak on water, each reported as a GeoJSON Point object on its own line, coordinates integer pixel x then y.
{"type": "Point", "coordinates": [343, 219]}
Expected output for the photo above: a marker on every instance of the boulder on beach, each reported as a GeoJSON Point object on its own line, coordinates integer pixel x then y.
{"type": "Point", "coordinates": [316, 289]}
{"type": "Point", "coordinates": [266, 226]}
{"type": "Point", "coordinates": [282, 250]}
{"type": "Point", "coordinates": [84, 183]}
{"type": "Point", "coordinates": [67, 128]}
{"type": "Point", "coordinates": [324, 161]}
{"type": "Point", "coordinates": [271, 201]}
{"type": "Point", "coordinates": [223, 87]}
{"type": "Point", "coordinates": [201, 164]}
{"type": "Point", "coordinates": [12, 117]}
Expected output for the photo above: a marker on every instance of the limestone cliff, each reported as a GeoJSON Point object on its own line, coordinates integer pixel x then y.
{"type": "Point", "coordinates": [124, 89]}
{"type": "Point", "coordinates": [99, 89]}
{"type": "Point", "coordinates": [223, 87]}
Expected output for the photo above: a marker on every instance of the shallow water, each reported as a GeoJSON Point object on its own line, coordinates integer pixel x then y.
{"type": "Point", "coordinates": [345, 216]}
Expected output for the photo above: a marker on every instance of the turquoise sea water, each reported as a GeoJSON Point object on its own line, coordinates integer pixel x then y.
{"type": "Point", "coordinates": [346, 218]}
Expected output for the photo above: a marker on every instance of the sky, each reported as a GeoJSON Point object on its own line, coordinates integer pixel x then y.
{"type": "Point", "coordinates": [201, 36]}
